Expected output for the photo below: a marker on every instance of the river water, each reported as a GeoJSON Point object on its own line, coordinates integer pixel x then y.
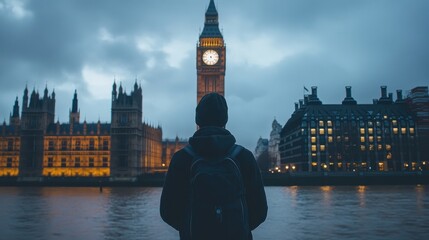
{"type": "Point", "coordinates": [343, 212]}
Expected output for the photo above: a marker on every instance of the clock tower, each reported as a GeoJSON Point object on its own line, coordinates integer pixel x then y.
{"type": "Point", "coordinates": [211, 56]}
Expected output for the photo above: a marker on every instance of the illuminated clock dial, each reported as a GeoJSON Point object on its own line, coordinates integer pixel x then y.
{"type": "Point", "coordinates": [210, 57]}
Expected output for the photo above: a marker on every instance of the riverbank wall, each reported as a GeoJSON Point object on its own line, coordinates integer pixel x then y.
{"type": "Point", "coordinates": [269, 179]}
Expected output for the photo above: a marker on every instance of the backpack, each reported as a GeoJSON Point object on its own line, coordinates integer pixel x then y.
{"type": "Point", "coordinates": [218, 208]}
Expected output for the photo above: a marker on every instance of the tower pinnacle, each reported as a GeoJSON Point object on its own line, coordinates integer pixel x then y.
{"type": "Point", "coordinates": [211, 24]}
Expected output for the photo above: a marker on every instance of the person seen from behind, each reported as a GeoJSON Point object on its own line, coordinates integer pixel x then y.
{"type": "Point", "coordinates": [213, 188]}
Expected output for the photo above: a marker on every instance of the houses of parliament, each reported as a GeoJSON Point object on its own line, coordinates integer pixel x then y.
{"type": "Point", "coordinates": [33, 145]}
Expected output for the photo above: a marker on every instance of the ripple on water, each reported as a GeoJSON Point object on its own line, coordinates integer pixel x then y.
{"type": "Point", "coordinates": [375, 212]}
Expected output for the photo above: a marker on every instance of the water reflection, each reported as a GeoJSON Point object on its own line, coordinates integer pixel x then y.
{"type": "Point", "coordinates": [326, 190]}
{"type": "Point", "coordinates": [360, 212]}
{"type": "Point", "coordinates": [420, 197]}
{"type": "Point", "coordinates": [361, 195]}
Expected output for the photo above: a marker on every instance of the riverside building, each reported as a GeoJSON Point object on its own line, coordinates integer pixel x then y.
{"type": "Point", "coordinates": [387, 135]}
{"type": "Point", "coordinates": [33, 145]}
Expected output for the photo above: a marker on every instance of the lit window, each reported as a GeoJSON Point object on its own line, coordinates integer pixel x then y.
{"type": "Point", "coordinates": [313, 131]}
{"type": "Point", "coordinates": [388, 147]}
{"type": "Point", "coordinates": [91, 144]}
{"type": "Point", "coordinates": [346, 139]}
{"type": "Point", "coordinates": [394, 123]}
{"type": "Point", "coordinates": [389, 156]}
{"type": "Point", "coordinates": [329, 123]}
{"type": "Point", "coordinates": [313, 148]}
{"type": "Point", "coordinates": [322, 147]}
{"type": "Point", "coordinates": [105, 145]}
{"type": "Point", "coordinates": [369, 124]}
{"type": "Point", "coordinates": [50, 162]}
{"type": "Point", "coordinates": [50, 147]}
{"type": "Point", "coordinates": [330, 139]}
{"type": "Point", "coordinates": [403, 130]}
{"type": "Point", "coordinates": [371, 147]}
{"type": "Point", "coordinates": [411, 130]}
{"type": "Point", "coordinates": [395, 130]}
{"type": "Point", "coordinates": [379, 147]}
{"type": "Point", "coordinates": [77, 146]}
{"type": "Point", "coordinates": [321, 124]}
{"type": "Point", "coordinates": [314, 164]}
{"type": "Point", "coordinates": [370, 130]}
{"type": "Point", "coordinates": [385, 116]}
{"type": "Point", "coordinates": [340, 164]}
{"type": "Point", "coordinates": [330, 131]}
{"type": "Point", "coordinates": [105, 162]}
{"type": "Point", "coordinates": [371, 139]}
{"type": "Point", "coordinates": [321, 131]}
{"type": "Point", "coordinates": [313, 139]}
{"type": "Point", "coordinates": [362, 139]}
{"type": "Point", "coordinates": [362, 147]}
{"type": "Point", "coordinates": [362, 131]}
{"type": "Point", "coordinates": [378, 138]}
{"type": "Point", "coordinates": [313, 155]}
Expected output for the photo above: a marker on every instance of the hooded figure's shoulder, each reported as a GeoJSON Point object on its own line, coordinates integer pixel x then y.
{"type": "Point", "coordinates": [180, 160]}
{"type": "Point", "coordinates": [246, 156]}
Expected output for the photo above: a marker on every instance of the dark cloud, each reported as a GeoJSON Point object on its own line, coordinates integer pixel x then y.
{"type": "Point", "coordinates": [274, 48]}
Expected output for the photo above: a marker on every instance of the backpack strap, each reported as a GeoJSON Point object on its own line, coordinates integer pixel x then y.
{"type": "Point", "coordinates": [195, 157]}
{"type": "Point", "coordinates": [234, 151]}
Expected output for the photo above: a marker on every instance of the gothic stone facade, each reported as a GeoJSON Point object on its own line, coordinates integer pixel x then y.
{"type": "Point", "coordinates": [211, 56]}
{"type": "Point", "coordinates": [34, 146]}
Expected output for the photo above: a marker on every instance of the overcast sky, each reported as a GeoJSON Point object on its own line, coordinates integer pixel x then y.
{"type": "Point", "coordinates": [274, 48]}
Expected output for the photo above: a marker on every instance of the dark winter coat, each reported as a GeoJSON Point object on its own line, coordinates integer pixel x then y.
{"type": "Point", "coordinates": [210, 141]}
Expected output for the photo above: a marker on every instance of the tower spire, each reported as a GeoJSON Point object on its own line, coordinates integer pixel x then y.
{"type": "Point", "coordinates": [211, 56]}
{"type": "Point", "coordinates": [211, 24]}
{"type": "Point", "coordinates": [16, 108]}
{"type": "Point", "coordinates": [211, 10]}
{"type": "Point", "coordinates": [14, 117]}
{"type": "Point", "coordinates": [74, 113]}
{"type": "Point", "coordinates": [75, 102]}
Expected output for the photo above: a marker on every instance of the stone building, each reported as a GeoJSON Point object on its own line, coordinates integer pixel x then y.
{"type": "Point", "coordinates": [384, 136]}
{"type": "Point", "coordinates": [273, 145]}
{"type": "Point", "coordinates": [169, 147]}
{"type": "Point", "coordinates": [34, 146]}
{"type": "Point", "coordinates": [261, 154]}
{"type": "Point", "coordinates": [211, 56]}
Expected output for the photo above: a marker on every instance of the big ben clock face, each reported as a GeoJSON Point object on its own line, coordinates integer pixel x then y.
{"type": "Point", "coordinates": [210, 57]}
